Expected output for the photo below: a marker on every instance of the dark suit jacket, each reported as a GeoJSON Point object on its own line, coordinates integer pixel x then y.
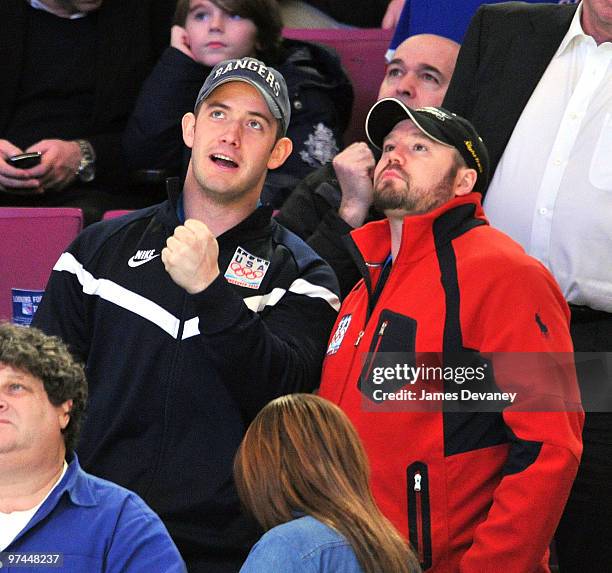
{"type": "Point", "coordinates": [505, 52]}
{"type": "Point", "coordinates": [133, 34]}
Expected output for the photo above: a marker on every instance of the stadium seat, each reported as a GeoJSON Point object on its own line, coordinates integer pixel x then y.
{"type": "Point", "coordinates": [362, 53]}
{"type": "Point", "coordinates": [115, 213]}
{"type": "Point", "coordinates": [32, 241]}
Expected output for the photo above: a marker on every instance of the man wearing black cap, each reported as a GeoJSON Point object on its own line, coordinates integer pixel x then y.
{"type": "Point", "coordinates": [191, 315]}
{"type": "Point", "coordinates": [472, 454]}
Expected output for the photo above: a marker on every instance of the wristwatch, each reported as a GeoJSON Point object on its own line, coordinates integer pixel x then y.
{"type": "Point", "coordinates": [87, 168]}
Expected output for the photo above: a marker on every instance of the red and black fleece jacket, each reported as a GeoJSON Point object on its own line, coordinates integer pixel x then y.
{"type": "Point", "coordinates": [473, 490]}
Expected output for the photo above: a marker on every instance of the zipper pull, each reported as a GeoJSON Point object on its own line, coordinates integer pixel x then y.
{"type": "Point", "coordinates": [417, 482]}
{"type": "Point", "coordinates": [359, 337]}
{"type": "Point", "coordinates": [382, 328]}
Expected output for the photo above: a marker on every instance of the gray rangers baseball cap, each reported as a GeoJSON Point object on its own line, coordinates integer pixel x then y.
{"type": "Point", "coordinates": [269, 82]}
{"type": "Point", "coordinates": [436, 123]}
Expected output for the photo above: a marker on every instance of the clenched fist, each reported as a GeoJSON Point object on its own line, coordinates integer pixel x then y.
{"type": "Point", "coordinates": [190, 256]}
{"type": "Point", "coordinates": [354, 168]}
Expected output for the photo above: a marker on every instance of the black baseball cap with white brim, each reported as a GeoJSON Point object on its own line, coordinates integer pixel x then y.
{"type": "Point", "coordinates": [269, 82]}
{"type": "Point", "coordinates": [437, 124]}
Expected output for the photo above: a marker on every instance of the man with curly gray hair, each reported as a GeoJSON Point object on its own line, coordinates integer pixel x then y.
{"type": "Point", "coordinates": [47, 358]}
{"type": "Point", "coordinates": [52, 512]}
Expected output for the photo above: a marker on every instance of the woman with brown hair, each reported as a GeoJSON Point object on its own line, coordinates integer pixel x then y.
{"type": "Point", "coordinates": [302, 472]}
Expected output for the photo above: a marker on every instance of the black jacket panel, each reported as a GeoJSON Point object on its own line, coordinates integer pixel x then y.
{"type": "Point", "coordinates": [506, 50]}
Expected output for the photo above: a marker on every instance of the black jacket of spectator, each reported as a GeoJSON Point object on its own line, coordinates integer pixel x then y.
{"type": "Point", "coordinates": [321, 100]}
{"type": "Point", "coordinates": [311, 212]}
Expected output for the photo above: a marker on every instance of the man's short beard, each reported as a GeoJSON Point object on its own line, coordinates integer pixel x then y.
{"type": "Point", "coordinates": [414, 200]}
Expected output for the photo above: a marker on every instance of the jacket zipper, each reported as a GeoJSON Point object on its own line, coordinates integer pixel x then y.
{"type": "Point", "coordinates": [359, 337]}
{"type": "Point", "coordinates": [419, 518]}
{"type": "Point", "coordinates": [419, 514]}
{"type": "Point", "coordinates": [379, 335]}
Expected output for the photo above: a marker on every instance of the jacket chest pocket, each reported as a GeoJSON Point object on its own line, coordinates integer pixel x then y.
{"type": "Point", "coordinates": [393, 345]}
{"type": "Point", "coordinates": [419, 514]}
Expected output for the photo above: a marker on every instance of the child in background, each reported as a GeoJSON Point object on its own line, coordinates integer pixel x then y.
{"type": "Point", "coordinates": [209, 31]}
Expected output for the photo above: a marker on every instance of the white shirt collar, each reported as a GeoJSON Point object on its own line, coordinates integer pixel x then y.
{"type": "Point", "coordinates": [38, 5]}
{"type": "Point", "coordinates": [574, 32]}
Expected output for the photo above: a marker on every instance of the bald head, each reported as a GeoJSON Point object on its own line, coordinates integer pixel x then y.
{"type": "Point", "coordinates": [420, 70]}
{"type": "Point", "coordinates": [597, 19]}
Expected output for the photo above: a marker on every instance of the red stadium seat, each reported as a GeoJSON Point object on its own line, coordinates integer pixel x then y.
{"type": "Point", "coordinates": [115, 213]}
{"type": "Point", "coordinates": [362, 52]}
{"type": "Point", "coordinates": [32, 241]}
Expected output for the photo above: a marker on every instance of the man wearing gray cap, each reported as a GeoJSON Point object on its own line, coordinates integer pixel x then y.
{"type": "Point", "coordinates": [191, 315]}
{"type": "Point", "coordinates": [464, 463]}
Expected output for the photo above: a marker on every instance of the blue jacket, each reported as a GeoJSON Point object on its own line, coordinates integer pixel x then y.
{"type": "Point", "coordinates": [304, 544]}
{"type": "Point", "coordinates": [96, 526]}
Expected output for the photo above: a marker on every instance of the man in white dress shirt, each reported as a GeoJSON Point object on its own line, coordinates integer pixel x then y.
{"type": "Point", "coordinates": [536, 81]}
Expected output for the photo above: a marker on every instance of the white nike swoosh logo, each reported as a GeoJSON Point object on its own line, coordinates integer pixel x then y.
{"type": "Point", "coordinates": [132, 263]}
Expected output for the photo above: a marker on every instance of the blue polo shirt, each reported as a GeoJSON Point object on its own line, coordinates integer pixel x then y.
{"type": "Point", "coordinates": [98, 526]}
